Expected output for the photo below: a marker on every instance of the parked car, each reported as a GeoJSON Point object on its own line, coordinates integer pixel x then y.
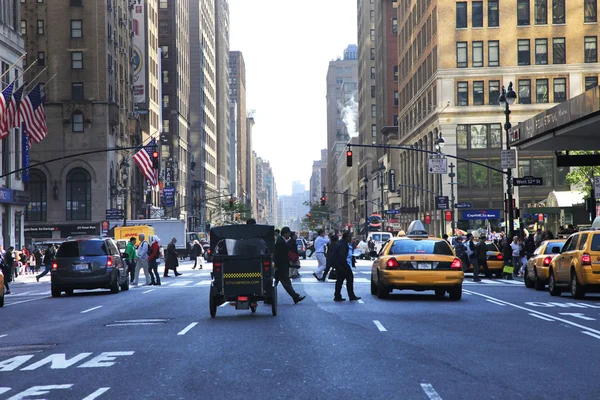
{"type": "Point", "coordinates": [302, 246]}
{"type": "Point", "coordinates": [536, 272]}
{"type": "Point", "coordinates": [88, 263]}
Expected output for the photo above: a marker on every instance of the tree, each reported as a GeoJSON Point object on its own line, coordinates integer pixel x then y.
{"type": "Point", "coordinates": [583, 177]}
{"type": "Point", "coordinates": [236, 212]}
{"type": "Point", "coordinates": [316, 215]}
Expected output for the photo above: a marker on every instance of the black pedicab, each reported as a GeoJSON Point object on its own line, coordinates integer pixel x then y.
{"type": "Point", "coordinates": [243, 272]}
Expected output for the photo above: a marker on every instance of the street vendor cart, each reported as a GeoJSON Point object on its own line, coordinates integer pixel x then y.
{"type": "Point", "coordinates": [243, 270]}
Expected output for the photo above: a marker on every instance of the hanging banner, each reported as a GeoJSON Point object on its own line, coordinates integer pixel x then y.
{"type": "Point", "coordinates": [139, 60]}
{"type": "Point", "coordinates": [25, 154]}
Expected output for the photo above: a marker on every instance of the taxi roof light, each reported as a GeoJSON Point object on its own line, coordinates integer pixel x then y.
{"type": "Point", "coordinates": [547, 261]}
{"type": "Point", "coordinates": [417, 229]}
{"type": "Point", "coordinates": [586, 259]}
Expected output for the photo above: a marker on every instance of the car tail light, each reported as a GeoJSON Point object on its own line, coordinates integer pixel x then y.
{"type": "Point", "coordinates": [586, 259]}
{"type": "Point", "coordinates": [267, 265]}
{"type": "Point", "coordinates": [456, 264]}
{"type": "Point", "coordinates": [54, 265]}
{"type": "Point", "coordinates": [242, 298]}
{"type": "Point", "coordinates": [547, 261]}
{"type": "Point", "coordinates": [217, 267]}
{"type": "Point", "coordinates": [499, 257]}
{"type": "Point", "coordinates": [392, 263]}
{"type": "Point", "coordinates": [109, 261]}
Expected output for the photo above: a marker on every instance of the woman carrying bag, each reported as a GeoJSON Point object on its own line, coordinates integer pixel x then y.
{"type": "Point", "coordinates": [197, 251]}
{"type": "Point", "coordinates": [293, 256]}
{"type": "Point", "coordinates": [171, 259]}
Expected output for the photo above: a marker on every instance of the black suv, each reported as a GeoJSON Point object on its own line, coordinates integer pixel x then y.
{"type": "Point", "coordinates": [88, 263]}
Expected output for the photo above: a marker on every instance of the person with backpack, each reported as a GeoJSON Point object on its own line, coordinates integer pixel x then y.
{"type": "Point", "coordinates": [461, 252]}
{"type": "Point", "coordinates": [472, 255]}
{"type": "Point", "coordinates": [344, 262]}
{"type": "Point", "coordinates": [329, 266]}
{"type": "Point", "coordinates": [481, 249]}
{"type": "Point", "coordinates": [7, 268]}
{"type": "Point", "coordinates": [153, 260]}
{"type": "Point", "coordinates": [49, 255]}
{"type": "Point", "coordinates": [143, 252]}
{"type": "Point", "coordinates": [131, 258]}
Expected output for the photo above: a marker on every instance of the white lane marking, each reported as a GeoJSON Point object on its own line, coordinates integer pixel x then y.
{"type": "Point", "coordinates": [135, 324]}
{"type": "Point", "coordinates": [540, 317]}
{"type": "Point", "coordinates": [468, 294]}
{"type": "Point", "coordinates": [591, 334]}
{"type": "Point", "coordinates": [142, 320]}
{"type": "Point", "coordinates": [97, 393]}
{"type": "Point", "coordinates": [430, 391]}
{"type": "Point", "coordinates": [148, 291]}
{"type": "Point", "coordinates": [181, 283]}
{"type": "Point", "coordinates": [578, 315]}
{"type": "Point", "coordinates": [362, 280]}
{"type": "Point", "coordinates": [91, 309]}
{"type": "Point", "coordinates": [379, 326]}
{"type": "Point", "coordinates": [5, 335]}
{"type": "Point", "coordinates": [361, 302]}
{"type": "Point", "coordinates": [495, 302]}
{"type": "Point", "coordinates": [22, 301]}
{"type": "Point", "coordinates": [4, 390]}
{"type": "Point", "coordinates": [529, 310]}
{"type": "Point", "coordinates": [187, 328]}
{"type": "Point", "coordinates": [202, 283]}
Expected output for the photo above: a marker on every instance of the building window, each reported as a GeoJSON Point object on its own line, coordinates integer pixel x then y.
{"type": "Point", "coordinates": [461, 55]}
{"type": "Point", "coordinates": [372, 16]}
{"type": "Point", "coordinates": [165, 77]}
{"type": "Point", "coordinates": [395, 97]}
{"type": "Point", "coordinates": [79, 195]}
{"type": "Point", "coordinates": [41, 59]}
{"type": "Point", "coordinates": [541, 91]}
{"type": "Point", "coordinates": [591, 82]}
{"type": "Point", "coordinates": [493, 14]}
{"type": "Point", "coordinates": [395, 73]}
{"type": "Point", "coordinates": [373, 92]}
{"type": "Point", "coordinates": [164, 51]}
{"type": "Point", "coordinates": [590, 11]}
{"type": "Point", "coordinates": [462, 174]}
{"type": "Point", "coordinates": [495, 136]}
{"type": "Point", "coordinates": [559, 53]}
{"type": "Point", "coordinates": [77, 91]}
{"type": "Point", "coordinates": [461, 136]}
{"type": "Point", "coordinates": [523, 12]}
{"type": "Point", "coordinates": [372, 53]}
{"type": "Point", "coordinates": [165, 125]}
{"type": "Point", "coordinates": [372, 72]}
{"type": "Point", "coordinates": [493, 53]}
{"type": "Point", "coordinates": [540, 12]}
{"type": "Point", "coordinates": [478, 54]}
{"type": "Point", "coordinates": [77, 122]}
{"type": "Point", "coordinates": [77, 59]}
{"type": "Point", "coordinates": [558, 11]}
{"type": "Point", "coordinates": [523, 50]}
{"type": "Point", "coordinates": [373, 110]}
{"type": "Point", "coordinates": [478, 93]}
{"type": "Point", "coordinates": [524, 91]}
{"type": "Point", "coordinates": [560, 90]}
{"type": "Point", "coordinates": [478, 136]}
{"type": "Point", "coordinates": [23, 27]}
{"type": "Point", "coordinates": [76, 3]}
{"type": "Point", "coordinates": [374, 130]}
{"type": "Point", "coordinates": [462, 93]}
{"type": "Point", "coordinates": [461, 14]}
{"type": "Point", "coordinates": [372, 35]}
{"type": "Point", "coordinates": [165, 100]}
{"type": "Point", "coordinates": [544, 168]}
{"type": "Point", "coordinates": [163, 27]}
{"type": "Point", "coordinates": [493, 92]}
{"type": "Point", "coordinates": [477, 14]}
{"type": "Point", "coordinates": [395, 118]}
{"type": "Point", "coordinates": [40, 27]}
{"type": "Point", "coordinates": [76, 28]}
{"type": "Point", "coordinates": [591, 49]}
{"type": "Point", "coordinates": [163, 4]}
{"type": "Point", "coordinates": [541, 51]}
{"type": "Point", "coordinates": [395, 26]}
{"type": "Point", "coordinates": [38, 192]}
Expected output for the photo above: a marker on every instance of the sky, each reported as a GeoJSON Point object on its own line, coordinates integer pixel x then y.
{"type": "Point", "coordinates": [287, 46]}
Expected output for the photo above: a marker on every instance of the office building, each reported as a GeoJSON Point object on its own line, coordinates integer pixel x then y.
{"type": "Point", "coordinates": [237, 94]}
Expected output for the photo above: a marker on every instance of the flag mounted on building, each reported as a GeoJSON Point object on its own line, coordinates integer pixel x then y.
{"type": "Point", "coordinates": [4, 103]}
{"type": "Point", "coordinates": [143, 160]}
{"type": "Point", "coordinates": [12, 115]}
{"type": "Point", "coordinates": [31, 113]}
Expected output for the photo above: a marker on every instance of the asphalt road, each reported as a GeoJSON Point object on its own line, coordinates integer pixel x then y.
{"type": "Point", "coordinates": [501, 341]}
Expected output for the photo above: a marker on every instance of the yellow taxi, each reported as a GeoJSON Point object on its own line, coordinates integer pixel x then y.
{"type": "Point", "coordinates": [495, 261]}
{"type": "Point", "coordinates": [1, 288]}
{"type": "Point", "coordinates": [417, 262]}
{"type": "Point", "coordinates": [536, 272]}
{"type": "Point", "coordinates": [577, 267]}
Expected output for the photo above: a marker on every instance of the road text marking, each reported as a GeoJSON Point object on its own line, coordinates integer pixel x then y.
{"type": "Point", "coordinates": [379, 326]}
{"type": "Point", "coordinates": [540, 317]}
{"type": "Point", "coordinates": [5, 335]}
{"type": "Point", "coordinates": [97, 393]}
{"type": "Point", "coordinates": [187, 328]}
{"type": "Point", "coordinates": [91, 309]}
{"type": "Point", "coordinates": [430, 391]}
{"type": "Point", "coordinates": [578, 315]}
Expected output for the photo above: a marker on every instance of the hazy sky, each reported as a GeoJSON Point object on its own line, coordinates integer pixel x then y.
{"type": "Point", "coordinates": [287, 46]}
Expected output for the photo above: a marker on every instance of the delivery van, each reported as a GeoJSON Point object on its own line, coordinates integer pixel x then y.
{"type": "Point", "coordinates": [127, 232]}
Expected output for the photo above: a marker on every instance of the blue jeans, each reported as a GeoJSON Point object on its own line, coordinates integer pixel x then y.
{"type": "Point", "coordinates": [47, 269]}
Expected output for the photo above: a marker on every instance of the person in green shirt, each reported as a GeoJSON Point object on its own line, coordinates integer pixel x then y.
{"type": "Point", "coordinates": [131, 258]}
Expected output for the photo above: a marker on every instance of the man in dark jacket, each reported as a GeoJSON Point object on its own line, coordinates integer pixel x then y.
{"type": "Point", "coordinates": [481, 248]}
{"type": "Point", "coordinates": [344, 261]}
{"type": "Point", "coordinates": [282, 265]}
{"type": "Point", "coordinates": [461, 252]}
{"type": "Point", "coordinates": [49, 255]}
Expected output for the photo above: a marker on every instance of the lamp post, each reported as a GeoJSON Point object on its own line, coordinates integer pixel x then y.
{"type": "Point", "coordinates": [440, 142]}
{"type": "Point", "coordinates": [381, 177]}
{"type": "Point", "coordinates": [451, 175]}
{"type": "Point", "coordinates": [505, 100]}
{"type": "Point", "coordinates": [124, 166]}
{"type": "Point", "coordinates": [366, 210]}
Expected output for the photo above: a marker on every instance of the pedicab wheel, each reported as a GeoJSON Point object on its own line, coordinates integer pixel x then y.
{"type": "Point", "coordinates": [274, 302]}
{"type": "Point", "coordinates": [212, 304]}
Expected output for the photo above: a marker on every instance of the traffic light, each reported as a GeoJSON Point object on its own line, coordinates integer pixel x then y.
{"type": "Point", "coordinates": [428, 219]}
{"type": "Point", "coordinates": [349, 158]}
{"type": "Point", "coordinates": [155, 162]}
{"type": "Point", "coordinates": [230, 201]}
{"type": "Point", "coordinates": [323, 199]}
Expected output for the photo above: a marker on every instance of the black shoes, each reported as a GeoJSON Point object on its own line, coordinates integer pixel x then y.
{"type": "Point", "coordinates": [177, 274]}
{"type": "Point", "coordinates": [476, 280]}
{"type": "Point", "coordinates": [339, 299]}
{"type": "Point", "coordinates": [299, 299]}
{"type": "Point", "coordinates": [193, 267]}
{"type": "Point", "coordinates": [354, 298]}
{"type": "Point", "coordinates": [315, 275]}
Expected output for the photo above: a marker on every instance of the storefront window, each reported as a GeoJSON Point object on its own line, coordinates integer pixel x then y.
{"type": "Point", "coordinates": [524, 168]}
{"type": "Point", "coordinates": [478, 136]}
{"type": "Point", "coordinates": [462, 174]}
{"type": "Point", "coordinates": [543, 168]}
{"type": "Point", "coordinates": [461, 136]}
{"type": "Point", "coordinates": [479, 175]}
{"type": "Point", "coordinates": [495, 136]}
{"type": "Point", "coordinates": [496, 176]}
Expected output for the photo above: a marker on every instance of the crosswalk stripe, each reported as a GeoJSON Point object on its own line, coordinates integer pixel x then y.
{"type": "Point", "coordinates": [181, 283]}
{"type": "Point", "coordinates": [202, 283]}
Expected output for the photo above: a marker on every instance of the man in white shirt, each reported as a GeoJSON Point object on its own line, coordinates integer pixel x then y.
{"type": "Point", "coordinates": [320, 242]}
{"type": "Point", "coordinates": [142, 261]}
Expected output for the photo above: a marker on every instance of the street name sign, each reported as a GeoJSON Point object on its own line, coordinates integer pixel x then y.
{"type": "Point", "coordinates": [114, 213]}
{"type": "Point", "coordinates": [508, 159]}
{"type": "Point", "coordinates": [597, 186]}
{"type": "Point", "coordinates": [528, 181]}
{"type": "Point", "coordinates": [392, 211]}
{"type": "Point", "coordinates": [442, 203]}
{"type": "Point", "coordinates": [463, 205]}
{"type": "Point", "coordinates": [438, 165]}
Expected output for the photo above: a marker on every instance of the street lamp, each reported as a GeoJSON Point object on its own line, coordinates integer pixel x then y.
{"type": "Point", "coordinates": [505, 100]}
{"type": "Point", "coordinates": [124, 167]}
{"type": "Point", "coordinates": [440, 142]}
{"type": "Point", "coordinates": [381, 177]}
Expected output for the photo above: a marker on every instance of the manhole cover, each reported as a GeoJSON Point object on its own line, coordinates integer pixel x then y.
{"type": "Point", "coordinates": [139, 322]}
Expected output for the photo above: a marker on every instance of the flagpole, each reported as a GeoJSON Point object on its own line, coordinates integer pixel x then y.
{"type": "Point", "coordinates": [12, 66]}
{"type": "Point", "coordinates": [24, 72]}
{"type": "Point", "coordinates": [33, 80]}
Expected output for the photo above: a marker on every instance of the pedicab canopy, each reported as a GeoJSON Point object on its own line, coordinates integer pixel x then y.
{"type": "Point", "coordinates": [242, 240]}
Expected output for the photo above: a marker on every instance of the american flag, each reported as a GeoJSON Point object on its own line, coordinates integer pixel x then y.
{"type": "Point", "coordinates": [4, 102]}
{"type": "Point", "coordinates": [13, 108]}
{"type": "Point", "coordinates": [31, 113]}
{"type": "Point", "coordinates": [143, 159]}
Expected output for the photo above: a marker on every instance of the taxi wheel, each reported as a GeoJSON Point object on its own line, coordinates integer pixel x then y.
{"type": "Point", "coordinates": [383, 292]}
{"type": "Point", "coordinates": [373, 287]}
{"type": "Point", "coordinates": [55, 291]}
{"type": "Point", "coordinates": [2, 300]}
{"type": "Point", "coordinates": [577, 289]}
{"type": "Point", "coordinates": [539, 285]}
{"type": "Point", "coordinates": [455, 293]}
{"type": "Point", "coordinates": [440, 293]}
{"type": "Point", "coordinates": [528, 282]}
{"type": "Point", "coordinates": [552, 288]}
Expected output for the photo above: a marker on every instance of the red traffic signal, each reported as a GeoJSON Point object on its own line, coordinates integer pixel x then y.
{"type": "Point", "coordinates": [323, 199]}
{"type": "Point", "coordinates": [155, 162]}
{"type": "Point", "coordinates": [448, 215]}
{"type": "Point", "coordinates": [428, 219]}
{"type": "Point", "coordinates": [230, 201]}
{"type": "Point", "coordinates": [349, 158]}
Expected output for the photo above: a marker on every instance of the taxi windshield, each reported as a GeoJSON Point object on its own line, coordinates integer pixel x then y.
{"type": "Point", "coordinates": [410, 246]}
{"type": "Point", "coordinates": [553, 248]}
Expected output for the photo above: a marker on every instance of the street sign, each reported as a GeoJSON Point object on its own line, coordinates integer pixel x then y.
{"type": "Point", "coordinates": [114, 214]}
{"type": "Point", "coordinates": [438, 165]}
{"type": "Point", "coordinates": [392, 211]}
{"type": "Point", "coordinates": [508, 159]}
{"type": "Point", "coordinates": [392, 179]}
{"type": "Point", "coordinates": [169, 197]}
{"type": "Point", "coordinates": [463, 205]}
{"type": "Point", "coordinates": [528, 181]}
{"type": "Point", "coordinates": [442, 203]}
{"type": "Point", "coordinates": [409, 210]}
{"type": "Point", "coordinates": [597, 186]}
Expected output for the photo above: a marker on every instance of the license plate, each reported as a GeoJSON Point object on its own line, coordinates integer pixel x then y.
{"type": "Point", "coordinates": [80, 267]}
{"type": "Point", "coordinates": [423, 266]}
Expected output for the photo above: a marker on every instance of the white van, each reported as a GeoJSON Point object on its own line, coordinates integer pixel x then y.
{"type": "Point", "coordinates": [379, 238]}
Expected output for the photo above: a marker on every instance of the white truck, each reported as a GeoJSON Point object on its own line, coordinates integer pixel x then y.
{"type": "Point", "coordinates": [165, 229]}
